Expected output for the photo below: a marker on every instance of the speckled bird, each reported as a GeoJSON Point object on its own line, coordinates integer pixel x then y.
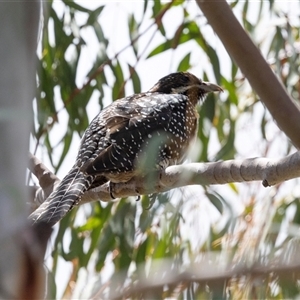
{"type": "Point", "coordinates": [116, 140]}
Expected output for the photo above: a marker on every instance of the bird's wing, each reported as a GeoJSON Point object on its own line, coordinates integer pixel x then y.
{"type": "Point", "coordinates": [129, 124]}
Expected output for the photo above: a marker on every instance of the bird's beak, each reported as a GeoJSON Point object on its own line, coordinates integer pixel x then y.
{"type": "Point", "coordinates": [210, 87]}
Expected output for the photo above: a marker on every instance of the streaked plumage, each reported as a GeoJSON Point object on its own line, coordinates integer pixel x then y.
{"type": "Point", "coordinates": [116, 140]}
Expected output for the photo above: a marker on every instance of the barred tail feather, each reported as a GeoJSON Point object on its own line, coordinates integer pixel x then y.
{"type": "Point", "coordinates": [63, 199]}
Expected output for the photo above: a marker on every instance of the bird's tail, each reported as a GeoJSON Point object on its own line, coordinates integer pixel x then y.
{"type": "Point", "coordinates": [63, 199]}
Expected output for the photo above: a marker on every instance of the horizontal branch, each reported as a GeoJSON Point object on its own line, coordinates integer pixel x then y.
{"type": "Point", "coordinates": [268, 171]}
{"type": "Point", "coordinates": [209, 272]}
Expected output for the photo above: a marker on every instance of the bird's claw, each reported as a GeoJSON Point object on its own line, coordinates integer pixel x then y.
{"type": "Point", "coordinates": [152, 198]}
{"type": "Point", "coordinates": [111, 190]}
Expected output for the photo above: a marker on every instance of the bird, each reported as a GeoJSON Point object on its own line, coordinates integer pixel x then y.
{"type": "Point", "coordinates": [115, 142]}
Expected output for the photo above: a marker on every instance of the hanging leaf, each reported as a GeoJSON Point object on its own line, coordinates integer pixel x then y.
{"type": "Point", "coordinates": [94, 15]}
{"type": "Point", "coordinates": [135, 80]}
{"type": "Point", "coordinates": [161, 48]}
{"type": "Point", "coordinates": [184, 64]}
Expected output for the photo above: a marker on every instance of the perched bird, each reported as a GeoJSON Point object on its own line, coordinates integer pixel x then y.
{"type": "Point", "coordinates": [114, 143]}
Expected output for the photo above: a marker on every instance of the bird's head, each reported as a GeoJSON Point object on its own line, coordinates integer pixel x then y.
{"type": "Point", "coordinates": [185, 83]}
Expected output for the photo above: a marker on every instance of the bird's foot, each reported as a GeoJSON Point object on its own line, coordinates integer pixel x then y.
{"type": "Point", "coordinates": [152, 199]}
{"type": "Point", "coordinates": [111, 190]}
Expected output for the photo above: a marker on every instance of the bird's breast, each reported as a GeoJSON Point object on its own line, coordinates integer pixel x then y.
{"type": "Point", "coordinates": [180, 134]}
{"type": "Point", "coordinates": [188, 131]}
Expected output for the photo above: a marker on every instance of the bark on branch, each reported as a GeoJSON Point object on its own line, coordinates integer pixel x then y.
{"type": "Point", "coordinates": [268, 171]}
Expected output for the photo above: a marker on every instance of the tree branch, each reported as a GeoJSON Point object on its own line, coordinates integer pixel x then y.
{"type": "Point", "coordinates": [47, 180]}
{"type": "Point", "coordinates": [269, 171]}
{"type": "Point", "coordinates": [253, 65]}
{"type": "Point", "coordinates": [208, 271]}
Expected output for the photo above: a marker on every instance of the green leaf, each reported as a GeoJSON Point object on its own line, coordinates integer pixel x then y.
{"type": "Point", "coordinates": [76, 6]}
{"type": "Point", "coordinates": [97, 68]}
{"type": "Point", "coordinates": [263, 124]}
{"type": "Point", "coordinates": [76, 247]}
{"type": "Point", "coordinates": [142, 252]}
{"type": "Point", "coordinates": [233, 187]}
{"type": "Point", "coordinates": [204, 139]}
{"type": "Point", "coordinates": [245, 10]}
{"type": "Point", "coordinates": [195, 34]}
{"type": "Point", "coordinates": [105, 245]}
{"type": "Point", "coordinates": [160, 48]}
{"type": "Point", "coordinates": [231, 89]}
{"type": "Point", "coordinates": [49, 147]}
{"type": "Point", "coordinates": [67, 140]}
{"type": "Point", "coordinates": [118, 88]}
{"type": "Point", "coordinates": [271, 2]}
{"type": "Point", "coordinates": [145, 6]}
{"type": "Point", "coordinates": [208, 107]}
{"type": "Point", "coordinates": [45, 103]}
{"type": "Point", "coordinates": [184, 64]}
{"type": "Point", "coordinates": [228, 150]}
{"type": "Point", "coordinates": [58, 249]}
{"type": "Point", "coordinates": [133, 33]}
{"type": "Point", "coordinates": [234, 3]}
{"type": "Point", "coordinates": [135, 80]}
{"type": "Point", "coordinates": [59, 32]}
{"type": "Point", "coordinates": [178, 36]}
{"type": "Point", "coordinates": [234, 69]}
{"type": "Point", "coordinates": [178, 2]}
{"type": "Point", "coordinates": [51, 286]}
{"type": "Point", "coordinates": [156, 9]}
{"type": "Point", "coordinates": [100, 82]}
{"type": "Point", "coordinates": [100, 36]}
{"type": "Point", "coordinates": [214, 62]}
{"type": "Point", "coordinates": [94, 226]}
{"type": "Point", "coordinates": [160, 250]}
{"type": "Point", "coordinates": [94, 15]}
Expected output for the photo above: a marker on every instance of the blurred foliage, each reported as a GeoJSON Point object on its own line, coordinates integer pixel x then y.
{"type": "Point", "coordinates": [117, 243]}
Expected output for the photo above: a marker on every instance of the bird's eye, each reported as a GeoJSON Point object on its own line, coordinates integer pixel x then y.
{"type": "Point", "coordinates": [186, 78]}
